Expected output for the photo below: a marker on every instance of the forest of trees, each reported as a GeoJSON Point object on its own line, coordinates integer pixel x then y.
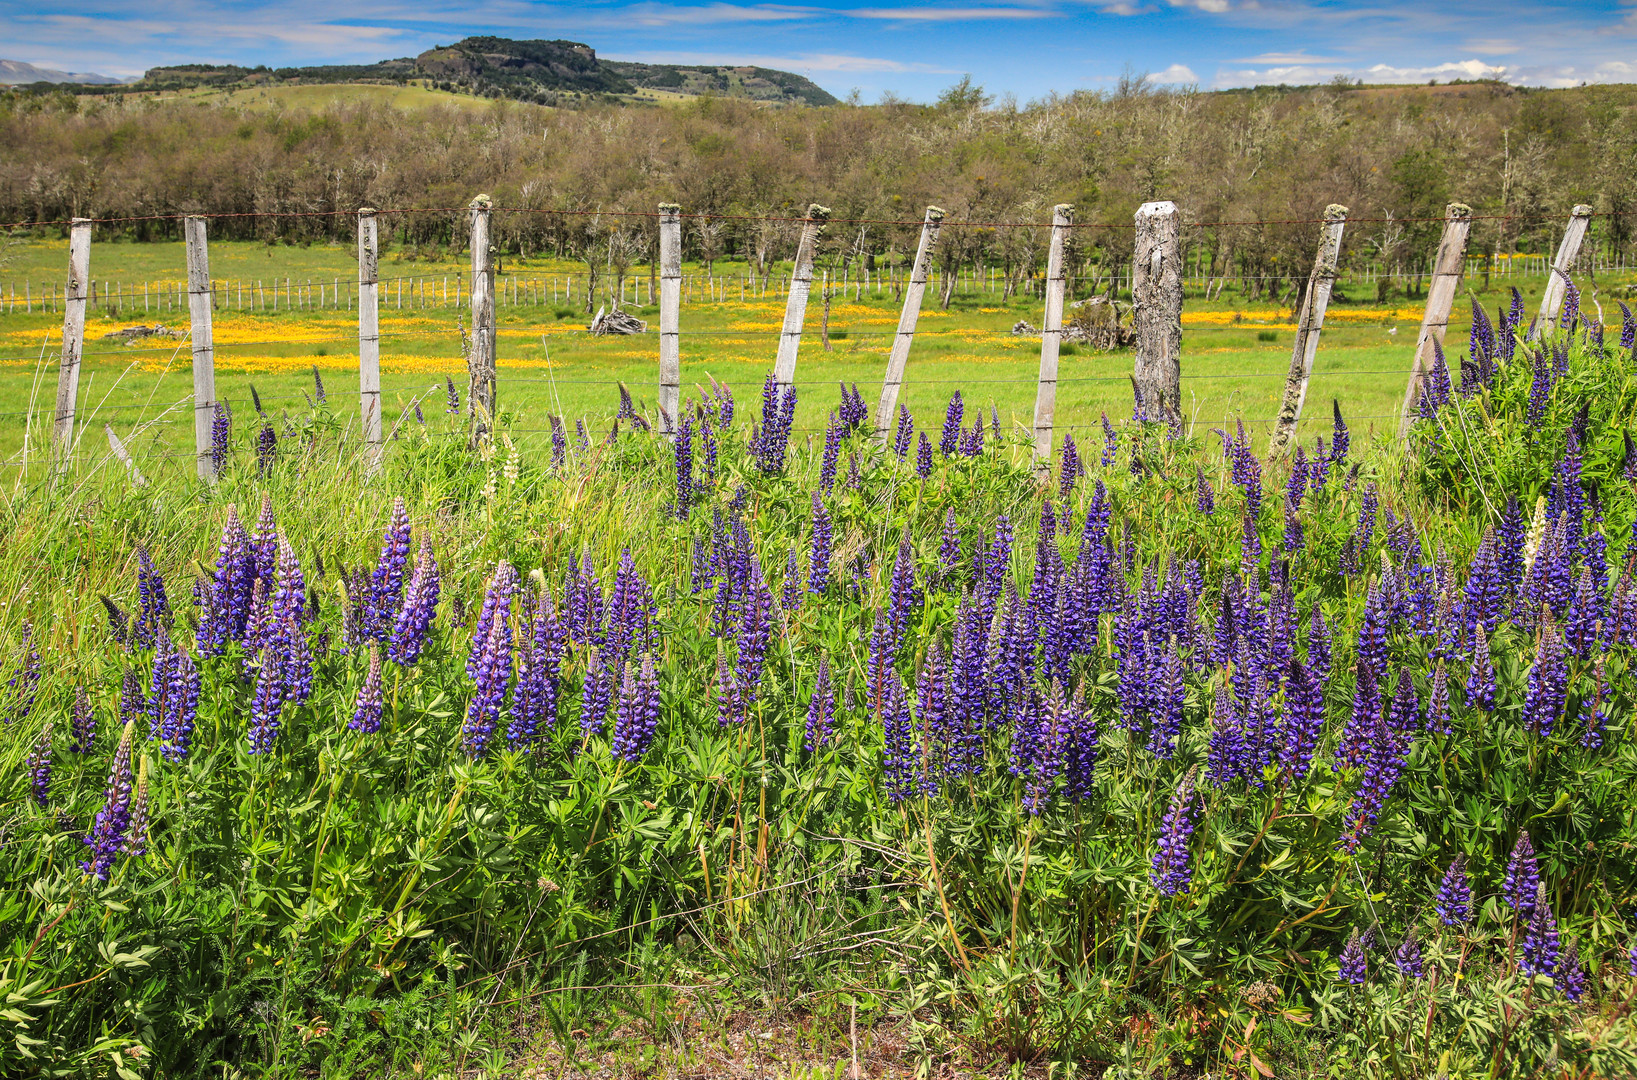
{"type": "Point", "coordinates": [1520, 158]}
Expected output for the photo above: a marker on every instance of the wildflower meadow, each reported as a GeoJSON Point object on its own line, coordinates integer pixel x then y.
{"type": "Point", "coordinates": [1164, 759]}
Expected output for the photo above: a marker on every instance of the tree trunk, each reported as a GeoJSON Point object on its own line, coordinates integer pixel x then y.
{"type": "Point", "coordinates": [1156, 293]}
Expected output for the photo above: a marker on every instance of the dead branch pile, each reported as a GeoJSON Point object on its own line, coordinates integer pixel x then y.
{"type": "Point", "coordinates": [1101, 323]}
{"type": "Point", "coordinates": [132, 334]}
{"type": "Point", "coordinates": [617, 322]}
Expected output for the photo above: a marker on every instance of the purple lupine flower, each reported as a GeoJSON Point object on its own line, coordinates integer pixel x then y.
{"type": "Point", "coordinates": [221, 430]}
{"type": "Point", "coordinates": [154, 608]}
{"type": "Point", "coordinates": [631, 610]}
{"type": "Point", "coordinates": [900, 757]}
{"type": "Point", "coordinates": [1438, 703]}
{"type": "Point", "coordinates": [1594, 718]}
{"type": "Point", "coordinates": [1387, 752]}
{"type": "Point", "coordinates": [755, 628]}
{"type": "Point", "coordinates": [1407, 957]}
{"type": "Point", "coordinates": [596, 694]}
{"type": "Point", "coordinates": [82, 731]}
{"type": "Point", "coordinates": [494, 675]}
{"type": "Point", "coordinates": [1171, 871]}
{"type": "Point", "coordinates": [1541, 945]}
{"type": "Point", "coordinates": [724, 404]}
{"type": "Point", "coordinates": [1250, 544]}
{"type": "Point", "coordinates": [387, 580]}
{"type": "Point", "coordinates": [949, 551]}
{"type": "Point", "coordinates": [1296, 483]}
{"type": "Point", "coordinates": [1540, 391]}
{"type": "Point", "coordinates": [539, 670]}
{"type": "Point", "coordinates": [267, 703]}
{"type": "Point", "coordinates": [1571, 973]}
{"type": "Point", "coordinates": [682, 451]}
{"type": "Point", "coordinates": [1166, 701]}
{"type": "Point", "coordinates": [902, 594]}
{"type": "Point", "coordinates": [559, 439]}
{"type": "Point", "coordinates": [1111, 443]}
{"type": "Point", "coordinates": [1435, 387]}
{"type": "Point", "coordinates": [1522, 877]}
{"type": "Point", "coordinates": [818, 556]}
{"type": "Point", "coordinates": [1051, 723]}
{"type": "Point", "coordinates": [1571, 302]}
{"type": "Point", "coordinates": [497, 606]}
{"type": "Point", "coordinates": [1293, 539]}
{"type": "Point", "coordinates": [833, 433]}
{"type": "Point", "coordinates": [38, 767]}
{"type": "Point", "coordinates": [1319, 645]}
{"type": "Point", "coordinates": [968, 693]}
{"type": "Point", "coordinates": [267, 448]}
{"type": "Point", "coordinates": [419, 606]}
{"type": "Point", "coordinates": [994, 421]}
{"type": "Point", "coordinates": [854, 481]}
{"type": "Point", "coordinates": [1069, 467]}
{"type": "Point", "coordinates": [1081, 744]}
{"type": "Point", "coordinates": [452, 395]}
{"type": "Point", "coordinates": [1340, 440]}
{"type": "Point", "coordinates": [637, 716]}
{"type": "Point", "coordinates": [582, 441]}
{"type": "Point", "coordinates": [903, 433]}
{"type": "Point", "coordinates": [1404, 712]}
{"type": "Point", "coordinates": [1632, 959]}
{"type": "Point", "coordinates": [1304, 720]}
{"type": "Point", "coordinates": [113, 820]}
{"type": "Point", "coordinates": [790, 591]}
{"type": "Point", "coordinates": [180, 707]}
{"type": "Point", "coordinates": [1454, 900]}
{"type": "Point", "coordinates": [1205, 500]}
{"type": "Point", "coordinates": [228, 608]}
{"type": "Point", "coordinates": [933, 720]}
{"type": "Point", "coordinates": [119, 621]}
{"type": "Point", "coordinates": [1547, 684]}
{"type": "Point", "coordinates": [923, 457]}
{"type": "Point", "coordinates": [821, 709]}
{"type": "Point", "coordinates": [1486, 589]}
{"type": "Point", "coordinates": [1353, 967]}
{"type": "Point", "coordinates": [950, 440]}
{"type": "Point", "coordinates": [366, 713]}
{"type": "Point", "coordinates": [1582, 625]}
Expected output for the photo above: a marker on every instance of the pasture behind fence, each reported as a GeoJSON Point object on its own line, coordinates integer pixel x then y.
{"type": "Point", "coordinates": [1156, 278]}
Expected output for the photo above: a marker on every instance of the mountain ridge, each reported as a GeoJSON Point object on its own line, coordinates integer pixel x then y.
{"type": "Point", "coordinates": [21, 73]}
{"type": "Point", "coordinates": [545, 72]}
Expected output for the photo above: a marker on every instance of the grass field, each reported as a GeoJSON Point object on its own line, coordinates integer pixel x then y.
{"type": "Point", "coordinates": [1234, 354]}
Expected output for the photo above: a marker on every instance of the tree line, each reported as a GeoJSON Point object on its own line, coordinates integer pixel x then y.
{"type": "Point", "coordinates": [1394, 155]}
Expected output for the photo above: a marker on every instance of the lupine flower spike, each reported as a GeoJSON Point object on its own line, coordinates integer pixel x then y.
{"type": "Point", "coordinates": [1171, 871]}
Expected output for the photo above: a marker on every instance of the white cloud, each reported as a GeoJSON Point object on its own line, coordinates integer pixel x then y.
{"type": "Point", "coordinates": [1298, 57]}
{"type": "Point", "coordinates": [1176, 75]}
{"type": "Point", "coordinates": [803, 62]}
{"type": "Point", "coordinates": [1492, 46]}
{"type": "Point", "coordinates": [1213, 7]}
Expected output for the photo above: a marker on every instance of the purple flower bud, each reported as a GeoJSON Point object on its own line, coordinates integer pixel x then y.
{"type": "Point", "coordinates": [1069, 468]}
{"type": "Point", "coordinates": [901, 758]}
{"type": "Point", "coordinates": [904, 432]}
{"type": "Point", "coordinates": [267, 703]}
{"type": "Point", "coordinates": [366, 713]}
{"type": "Point", "coordinates": [494, 675]}
{"type": "Point", "coordinates": [637, 717]}
{"type": "Point", "coordinates": [419, 607]}
{"type": "Point", "coordinates": [108, 831]}
{"type": "Point", "coordinates": [833, 433]}
{"type": "Point", "coordinates": [1205, 501]}
{"type": "Point", "coordinates": [949, 552]}
{"type": "Point", "coordinates": [155, 609]}
{"type": "Point", "coordinates": [682, 451]}
{"type": "Point", "coordinates": [1353, 967]}
{"type": "Point", "coordinates": [596, 693]}
{"type": "Point", "coordinates": [1541, 947]}
{"type": "Point", "coordinates": [1303, 721]}
{"type": "Point", "coordinates": [38, 767]}
{"type": "Point", "coordinates": [1522, 877]}
{"type": "Point", "coordinates": [1571, 973]}
{"type": "Point", "coordinates": [821, 709]}
{"type": "Point", "coordinates": [1438, 703]}
{"type": "Point", "coordinates": [1171, 871]}
{"type": "Point", "coordinates": [949, 442]}
{"type": "Point", "coordinates": [453, 395]}
{"type": "Point", "coordinates": [923, 457]}
{"type": "Point", "coordinates": [1454, 900]}
{"type": "Point", "coordinates": [1407, 957]}
{"type": "Point", "coordinates": [387, 581]}
{"type": "Point", "coordinates": [82, 732]}
{"type": "Point", "coordinates": [267, 449]}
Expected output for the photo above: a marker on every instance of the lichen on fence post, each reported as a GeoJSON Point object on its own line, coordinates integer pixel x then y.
{"type": "Point", "coordinates": [68, 371]}
{"type": "Point", "coordinates": [670, 321]}
{"type": "Point", "coordinates": [898, 359]}
{"type": "Point", "coordinates": [795, 306]}
{"type": "Point", "coordinates": [1446, 278]}
{"type": "Point", "coordinates": [204, 352]}
{"type": "Point", "coordinates": [1051, 339]}
{"type": "Point", "coordinates": [480, 360]}
{"type": "Point", "coordinates": [1309, 325]}
{"type": "Point", "coordinates": [1156, 298]}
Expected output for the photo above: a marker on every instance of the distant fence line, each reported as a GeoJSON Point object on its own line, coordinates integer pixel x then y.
{"type": "Point", "coordinates": [1155, 275]}
{"type": "Point", "coordinates": [450, 290]}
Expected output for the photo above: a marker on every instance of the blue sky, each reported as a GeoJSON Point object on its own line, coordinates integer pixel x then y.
{"type": "Point", "coordinates": [1023, 47]}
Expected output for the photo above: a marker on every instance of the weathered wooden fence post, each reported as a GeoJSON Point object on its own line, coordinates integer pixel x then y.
{"type": "Point", "coordinates": [1446, 278]}
{"type": "Point", "coordinates": [1156, 296]}
{"type": "Point", "coordinates": [369, 336]}
{"type": "Point", "coordinates": [68, 371]}
{"type": "Point", "coordinates": [1051, 339]}
{"type": "Point", "coordinates": [1567, 252]}
{"type": "Point", "coordinates": [480, 363]}
{"type": "Point", "coordinates": [1309, 325]}
{"type": "Point", "coordinates": [795, 307]}
{"type": "Point", "coordinates": [907, 319]}
{"type": "Point", "coordinates": [204, 352]}
{"type": "Point", "coordinates": [670, 322]}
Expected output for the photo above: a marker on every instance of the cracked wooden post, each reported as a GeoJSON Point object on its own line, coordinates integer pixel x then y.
{"type": "Point", "coordinates": [1568, 250]}
{"type": "Point", "coordinates": [899, 358]}
{"type": "Point", "coordinates": [68, 370]}
{"type": "Point", "coordinates": [795, 305]}
{"type": "Point", "coordinates": [1051, 340]}
{"type": "Point", "coordinates": [1446, 278]}
{"type": "Point", "coordinates": [1156, 299]}
{"type": "Point", "coordinates": [670, 320]}
{"type": "Point", "coordinates": [369, 337]}
{"type": "Point", "coordinates": [1309, 325]}
{"type": "Point", "coordinates": [480, 361]}
{"type": "Point", "coordinates": [204, 351]}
